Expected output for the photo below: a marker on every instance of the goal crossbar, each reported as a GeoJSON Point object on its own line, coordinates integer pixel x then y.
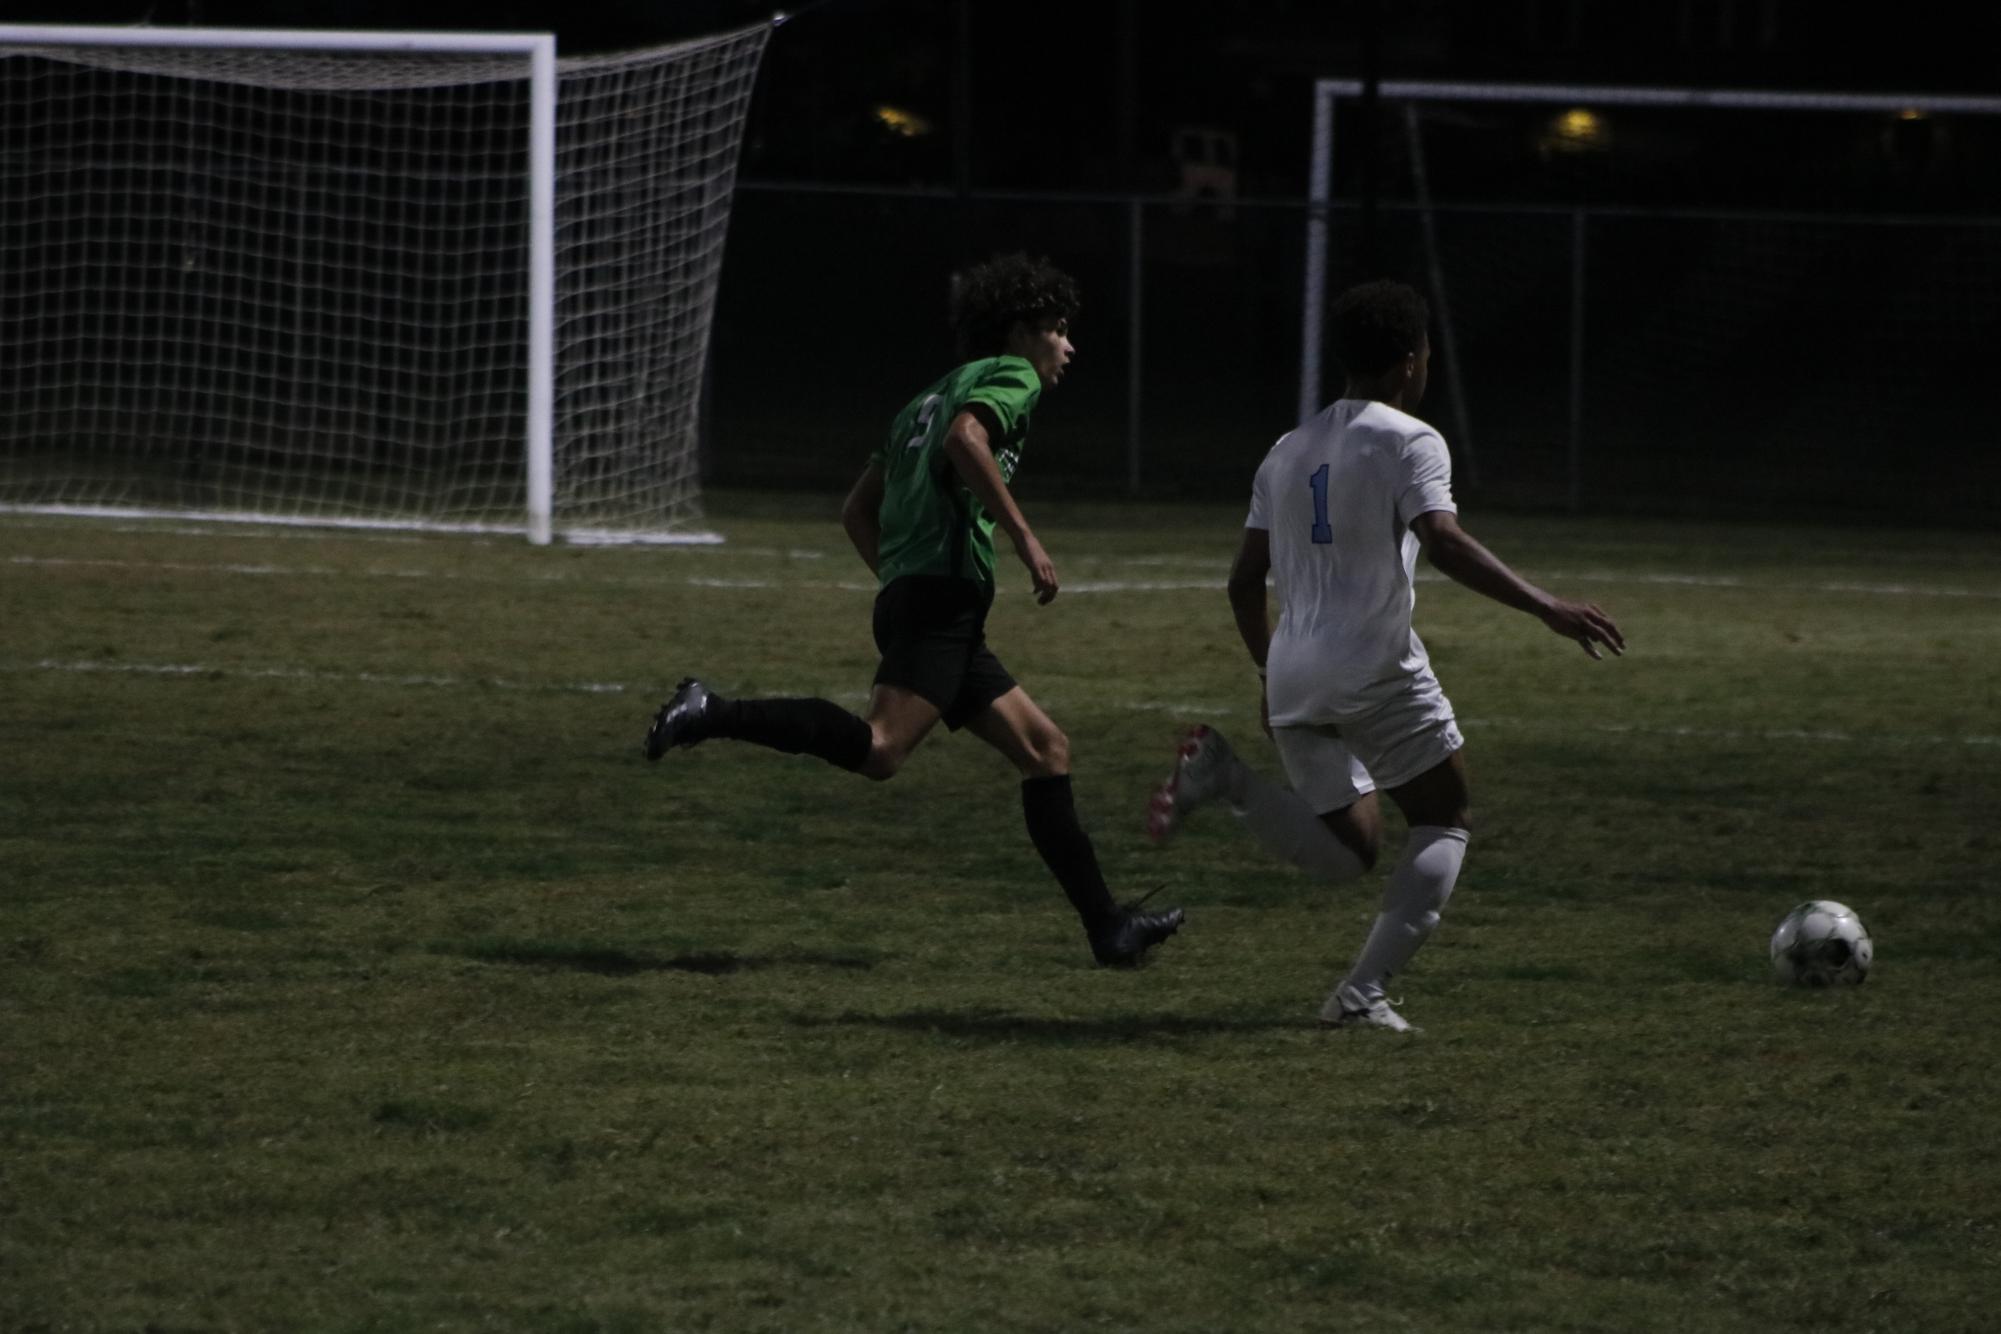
{"type": "Point", "coordinates": [289, 39]}
{"type": "Point", "coordinates": [1436, 90]}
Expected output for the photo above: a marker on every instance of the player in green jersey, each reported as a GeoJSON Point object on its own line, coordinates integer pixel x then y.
{"type": "Point", "coordinates": [922, 515]}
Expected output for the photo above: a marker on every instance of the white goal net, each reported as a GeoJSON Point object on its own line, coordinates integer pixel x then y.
{"type": "Point", "coordinates": [424, 280]}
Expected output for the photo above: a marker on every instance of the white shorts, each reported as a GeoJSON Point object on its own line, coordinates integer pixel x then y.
{"type": "Point", "coordinates": [1334, 765]}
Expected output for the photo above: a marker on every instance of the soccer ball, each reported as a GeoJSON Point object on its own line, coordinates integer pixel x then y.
{"type": "Point", "coordinates": [1822, 944]}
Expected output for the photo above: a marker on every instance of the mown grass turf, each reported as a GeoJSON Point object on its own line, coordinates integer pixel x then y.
{"type": "Point", "coordinates": [357, 974]}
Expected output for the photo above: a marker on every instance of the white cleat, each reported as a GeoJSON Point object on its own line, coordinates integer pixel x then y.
{"type": "Point", "coordinates": [1205, 768]}
{"type": "Point", "coordinates": [1348, 1008]}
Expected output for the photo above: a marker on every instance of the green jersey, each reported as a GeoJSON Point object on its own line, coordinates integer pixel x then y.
{"type": "Point", "coordinates": [931, 522]}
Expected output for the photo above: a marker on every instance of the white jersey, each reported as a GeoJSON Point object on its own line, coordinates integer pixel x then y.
{"type": "Point", "coordinates": [1337, 497]}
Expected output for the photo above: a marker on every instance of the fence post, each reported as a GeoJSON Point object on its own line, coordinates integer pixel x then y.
{"type": "Point", "coordinates": [1576, 481]}
{"type": "Point", "coordinates": [1319, 196]}
{"type": "Point", "coordinates": [1135, 272]}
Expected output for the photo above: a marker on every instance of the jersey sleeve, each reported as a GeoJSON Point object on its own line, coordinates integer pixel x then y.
{"type": "Point", "coordinates": [1260, 515]}
{"type": "Point", "coordinates": [1424, 483]}
{"type": "Point", "coordinates": [1008, 388]}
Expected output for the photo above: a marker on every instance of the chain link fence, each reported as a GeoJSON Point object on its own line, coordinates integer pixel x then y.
{"type": "Point", "coordinates": [1603, 359]}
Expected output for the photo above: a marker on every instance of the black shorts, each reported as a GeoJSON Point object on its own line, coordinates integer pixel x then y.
{"type": "Point", "coordinates": [932, 634]}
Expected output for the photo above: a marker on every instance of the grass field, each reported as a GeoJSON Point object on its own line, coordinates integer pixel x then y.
{"type": "Point", "coordinates": [356, 974]}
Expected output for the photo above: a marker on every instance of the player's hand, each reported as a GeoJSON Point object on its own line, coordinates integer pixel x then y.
{"type": "Point", "coordinates": [1041, 569]}
{"type": "Point", "coordinates": [1585, 623]}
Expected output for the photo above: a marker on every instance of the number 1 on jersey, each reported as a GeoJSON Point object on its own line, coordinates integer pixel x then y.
{"type": "Point", "coordinates": [1323, 532]}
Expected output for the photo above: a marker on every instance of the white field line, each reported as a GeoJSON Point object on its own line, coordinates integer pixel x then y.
{"type": "Point", "coordinates": [1190, 709]}
{"type": "Point", "coordinates": [251, 532]}
{"type": "Point", "coordinates": [1079, 587]}
{"type": "Point", "coordinates": [808, 553]}
{"type": "Point", "coordinates": [276, 523]}
{"type": "Point", "coordinates": [1144, 586]}
{"type": "Point", "coordinates": [1750, 585]}
{"type": "Point", "coordinates": [245, 531]}
{"type": "Point", "coordinates": [206, 671]}
{"type": "Point", "coordinates": [448, 576]}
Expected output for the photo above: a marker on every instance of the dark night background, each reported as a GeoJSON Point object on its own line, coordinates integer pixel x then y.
{"type": "Point", "coordinates": [1822, 285]}
{"type": "Point", "coordinates": [1083, 95]}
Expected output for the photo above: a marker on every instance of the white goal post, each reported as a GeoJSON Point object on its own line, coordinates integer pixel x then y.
{"type": "Point", "coordinates": [412, 279]}
{"type": "Point", "coordinates": [1327, 92]}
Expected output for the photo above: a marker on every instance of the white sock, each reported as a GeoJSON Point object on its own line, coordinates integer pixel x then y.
{"type": "Point", "coordinates": [1416, 894]}
{"type": "Point", "coordinates": [1286, 827]}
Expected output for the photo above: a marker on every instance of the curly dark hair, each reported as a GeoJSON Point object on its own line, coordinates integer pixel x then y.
{"type": "Point", "coordinates": [988, 298]}
{"type": "Point", "coordinates": [1376, 325]}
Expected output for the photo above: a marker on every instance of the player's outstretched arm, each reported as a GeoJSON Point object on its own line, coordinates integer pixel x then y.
{"type": "Point", "coordinates": [861, 514]}
{"type": "Point", "coordinates": [1455, 553]}
{"type": "Point", "coordinates": [969, 445]}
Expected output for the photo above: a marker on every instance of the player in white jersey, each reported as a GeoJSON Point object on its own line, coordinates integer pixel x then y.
{"type": "Point", "coordinates": [1338, 513]}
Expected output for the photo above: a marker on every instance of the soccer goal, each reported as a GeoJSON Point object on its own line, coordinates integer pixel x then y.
{"type": "Point", "coordinates": [425, 280]}
{"type": "Point", "coordinates": [1627, 343]}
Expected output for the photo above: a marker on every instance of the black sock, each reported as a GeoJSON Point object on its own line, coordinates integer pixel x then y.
{"type": "Point", "coordinates": [1053, 828]}
{"type": "Point", "coordinates": [795, 726]}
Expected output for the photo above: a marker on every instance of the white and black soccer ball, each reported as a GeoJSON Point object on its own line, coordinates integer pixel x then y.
{"type": "Point", "coordinates": [1822, 943]}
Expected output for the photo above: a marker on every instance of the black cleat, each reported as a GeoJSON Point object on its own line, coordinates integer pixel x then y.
{"type": "Point", "coordinates": [682, 720]}
{"type": "Point", "coordinates": [1124, 944]}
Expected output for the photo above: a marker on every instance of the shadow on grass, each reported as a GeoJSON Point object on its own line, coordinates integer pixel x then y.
{"type": "Point", "coordinates": [992, 1026]}
{"type": "Point", "coordinates": [608, 961]}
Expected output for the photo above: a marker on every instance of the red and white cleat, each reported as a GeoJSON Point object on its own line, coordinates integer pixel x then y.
{"type": "Point", "coordinates": [1205, 768]}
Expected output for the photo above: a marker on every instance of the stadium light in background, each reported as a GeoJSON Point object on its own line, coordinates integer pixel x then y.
{"type": "Point", "coordinates": [1577, 130]}
{"type": "Point", "coordinates": [901, 123]}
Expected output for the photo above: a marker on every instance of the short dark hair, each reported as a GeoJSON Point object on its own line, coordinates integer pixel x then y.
{"type": "Point", "coordinates": [1378, 324]}
{"type": "Point", "coordinates": [988, 298]}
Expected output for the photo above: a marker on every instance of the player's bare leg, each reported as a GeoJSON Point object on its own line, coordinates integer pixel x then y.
{"type": "Point", "coordinates": [1018, 728]}
{"type": "Point", "coordinates": [1438, 796]}
{"type": "Point", "coordinates": [1359, 828]}
{"type": "Point", "coordinates": [897, 719]}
